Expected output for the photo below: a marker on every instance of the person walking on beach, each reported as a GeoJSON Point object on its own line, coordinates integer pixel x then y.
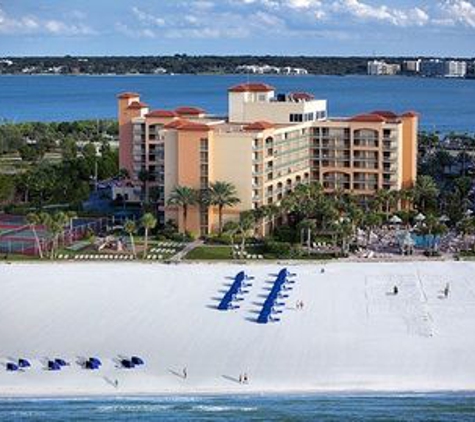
{"type": "Point", "coordinates": [185, 373]}
{"type": "Point", "coordinates": [116, 383]}
{"type": "Point", "coordinates": [245, 379]}
{"type": "Point", "coordinates": [395, 290]}
{"type": "Point", "coordinates": [446, 290]}
{"type": "Point", "coordinates": [297, 305]}
{"type": "Point", "coordinates": [240, 378]}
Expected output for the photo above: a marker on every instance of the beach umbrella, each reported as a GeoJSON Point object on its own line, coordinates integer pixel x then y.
{"type": "Point", "coordinates": [420, 217]}
{"type": "Point", "coordinates": [395, 220]}
{"type": "Point", "coordinates": [444, 219]}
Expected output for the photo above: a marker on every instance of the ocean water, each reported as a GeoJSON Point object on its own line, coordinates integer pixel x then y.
{"type": "Point", "coordinates": [444, 104]}
{"type": "Point", "coordinates": [323, 408]}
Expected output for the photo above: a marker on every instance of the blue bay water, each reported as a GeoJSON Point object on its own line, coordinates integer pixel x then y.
{"type": "Point", "coordinates": [324, 408]}
{"type": "Point", "coordinates": [444, 104]}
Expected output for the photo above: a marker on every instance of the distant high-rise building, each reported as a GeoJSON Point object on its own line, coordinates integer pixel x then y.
{"type": "Point", "coordinates": [455, 69]}
{"type": "Point", "coordinates": [444, 68]}
{"type": "Point", "coordinates": [381, 68]}
{"type": "Point", "coordinates": [412, 66]}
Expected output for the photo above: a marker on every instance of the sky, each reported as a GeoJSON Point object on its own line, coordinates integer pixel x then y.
{"type": "Point", "coordinates": [277, 27]}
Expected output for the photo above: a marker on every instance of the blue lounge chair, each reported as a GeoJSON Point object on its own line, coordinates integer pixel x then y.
{"type": "Point", "coordinates": [53, 366]}
{"type": "Point", "coordinates": [12, 367]}
{"type": "Point", "coordinates": [136, 360]}
{"type": "Point", "coordinates": [61, 362]}
{"type": "Point", "coordinates": [91, 365]}
{"type": "Point", "coordinates": [126, 363]}
{"type": "Point", "coordinates": [23, 363]}
{"type": "Point", "coordinates": [95, 361]}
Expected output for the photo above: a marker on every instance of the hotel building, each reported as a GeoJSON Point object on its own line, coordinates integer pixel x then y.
{"type": "Point", "coordinates": [267, 145]}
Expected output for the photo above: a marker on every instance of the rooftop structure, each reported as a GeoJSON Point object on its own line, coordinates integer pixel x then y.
{"type": "Point", "coordinates": [269, 144]}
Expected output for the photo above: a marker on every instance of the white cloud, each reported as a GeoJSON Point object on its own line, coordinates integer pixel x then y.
{"type": "Point", "coordinates": [31, 24]}
{"type": "Point", "coordinates": [398, 17]}
{"type": "Point", "coordinates": [147, 18]}
{"type": "Point", "coordinates": [462, 11]}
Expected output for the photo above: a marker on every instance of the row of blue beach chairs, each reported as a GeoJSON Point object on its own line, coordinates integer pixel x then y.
{"type": "Point", "coordinates": [91, 363]}
{"type": "Point", "coordinates": [238, 287]}
{"type": "Point", "coordinates": [272, 306]}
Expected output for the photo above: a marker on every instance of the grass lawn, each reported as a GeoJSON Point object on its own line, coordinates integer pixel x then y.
{"type": "Point", "coordinates": [210, 252]}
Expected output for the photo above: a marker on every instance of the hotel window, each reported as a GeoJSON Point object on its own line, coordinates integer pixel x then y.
{"type": "Point", "coordinates": [204, 180]}
{"type": "Point", "coordinates": [296, 118]}
{"type": "Point", "coordinates": [204, 144]}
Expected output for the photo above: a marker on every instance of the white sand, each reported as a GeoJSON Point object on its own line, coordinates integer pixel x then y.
{"type": "Point", "coordinates": [351, 335]}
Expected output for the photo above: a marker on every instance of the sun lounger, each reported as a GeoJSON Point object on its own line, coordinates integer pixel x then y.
{"type": "Point", "coordinates": [53, 366]}
{"type": "Point", "coordinates": [23, 363]}
{"type": "Point", "coordinates": [11, 367]}
{"type": "Point", "coordinates": [136, 360]}
{"type": "Point", "coordinates": [61, 362]}
{"type": "Point", "coordinates": [126, 363]}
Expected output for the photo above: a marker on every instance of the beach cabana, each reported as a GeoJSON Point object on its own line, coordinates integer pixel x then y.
{"type": "Point", "coordinates": [419, 218]}
{"type": "Point", "coordinates": [395, 220]}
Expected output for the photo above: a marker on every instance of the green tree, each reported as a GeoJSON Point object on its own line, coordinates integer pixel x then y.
{"type": "Point", "coordinates": [221, 195]}
{"type": "Point", "coordinates": [183, 197]}
{"type": "Point", "coordinates": [425, 193]}
{"type": "Point", "coordinates": [130, 228]}
{"type": "Point", "coordinates": [34, 220]}
{"type": "Point", "coordinates": [149, 222]}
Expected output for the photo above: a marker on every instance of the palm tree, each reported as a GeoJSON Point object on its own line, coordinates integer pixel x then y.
{"type": "Point", "coordinates": [130, 228]}
{"type": "Point", "coordinates": [184, 197]}
{"type": "Point", "coordinates": [306, 227]}
{"type": "Point", "coordinates": [55, 225]}
{"type": "Point", "coordinates": [371, 221]}
{"type": "Point", "coordinates": [231, 228]}
{"type": "Point", "coordinates": [34, 220]}
{"type": "Point", "coordinates": [222, 194]}
{"type": "Point", "coordinates": [246, 223]}
{"type": "Point", "coordinates": [145, 176]}
{"type": "Point", "coordinates": [149, 222]}
{"type": "Point", "coordinates": [425, 192]}
{"type": "Point", "coordinates": [466, 227]}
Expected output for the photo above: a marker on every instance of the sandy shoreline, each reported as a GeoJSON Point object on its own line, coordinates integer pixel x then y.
{"type": "Point", "coordinates": [352, 337]}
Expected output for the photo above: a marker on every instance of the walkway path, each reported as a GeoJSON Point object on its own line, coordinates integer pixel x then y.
{"type": "Point", "coordinates": [181, 254]}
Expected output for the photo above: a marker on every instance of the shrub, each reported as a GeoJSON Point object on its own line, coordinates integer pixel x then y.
{"type": "Point", "coordinates": [278, 249]}
{"type": "Point", "coordinates": [216, 239]}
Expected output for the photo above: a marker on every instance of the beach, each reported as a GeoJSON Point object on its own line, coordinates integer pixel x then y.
{"type": "Point", "coordinates": [353, 334]}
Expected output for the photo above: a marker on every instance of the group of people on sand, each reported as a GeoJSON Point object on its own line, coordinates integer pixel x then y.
{"type": "Point", "coordinates": [243, 378]}
{"type": "Point", "coordinates": [445, 292]}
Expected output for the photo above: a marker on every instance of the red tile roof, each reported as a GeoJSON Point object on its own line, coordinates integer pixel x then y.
{"type": "Point", "coordinates": [252, 87]}
{"type": "Point", "coordinates": [174, 124]}
{"type": "Point", "coordinates": [182, 124]}
{"type": "Point", "coordinates": [189, 111]}
{"type": "Point", "coordinates": [370, 118]}
{"type": "Point", "coordinates": [410, 114]}
{"type": "Point", "coordinates": [137, 105]}
{"type": "Point", "coordinates": [161, 114]}
{"type": "Point", "coordinates": [126, 95]}
{"type": "Point", "coordinates": [260, 125]}
{"type": "Point", "coordinates": [386, 114]}
{"type": "Point", "coordinates": [302, 96]}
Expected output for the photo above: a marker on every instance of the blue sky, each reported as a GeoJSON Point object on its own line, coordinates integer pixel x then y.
{"type": "Point", "coordinates": [308, 27]}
